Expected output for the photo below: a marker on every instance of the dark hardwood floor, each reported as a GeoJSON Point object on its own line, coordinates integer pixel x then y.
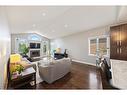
{"type": "Point", "coordinates": [82, 76]}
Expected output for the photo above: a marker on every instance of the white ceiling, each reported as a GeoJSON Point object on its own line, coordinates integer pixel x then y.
{"type": "Point", "coordinates": [59, 21]}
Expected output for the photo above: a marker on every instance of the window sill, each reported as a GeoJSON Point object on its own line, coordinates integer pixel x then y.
{"type": "Point", "coordinates": [92, 55]}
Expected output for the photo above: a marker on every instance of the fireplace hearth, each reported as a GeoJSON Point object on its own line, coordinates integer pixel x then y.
{"type": "Point", "coordinates": [34, 53]}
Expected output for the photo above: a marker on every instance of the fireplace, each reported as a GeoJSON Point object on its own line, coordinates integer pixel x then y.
{"type": "Point", "coordinates": [35, 53]}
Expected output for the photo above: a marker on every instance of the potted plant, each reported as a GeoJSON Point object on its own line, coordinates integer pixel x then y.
{"type": "Point", "coordinates": [23, 50]}
{"type": "Point", "coordinates": [16, 70]}
{"type": "Point", "coordinates": [100, 55]}
{"type": "Point", "coordinates": [19, 68]}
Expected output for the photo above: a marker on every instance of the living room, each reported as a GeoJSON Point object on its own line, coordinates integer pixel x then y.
{"type": "Point", "coordinates": [65, 47]}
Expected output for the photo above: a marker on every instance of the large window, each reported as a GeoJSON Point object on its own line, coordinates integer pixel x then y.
{"type": "Point", "coordinates": [93, 46]}
{"type": "Point", "coordinates": [45, 48]}
{"type": "Point", "coordinates": [20, 44]}
{"type": "Point", "coordinates": [99, 46]}
{"type": "Point", "coordinates": [34, 37]}
{"type": "Point", "coordinates": [103, 46]}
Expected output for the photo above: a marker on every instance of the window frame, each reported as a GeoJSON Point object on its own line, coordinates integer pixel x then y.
{"type": "Point", "coordinates": [34, 37]}
{"type": "Point", "coordinates": [92, 38]}
{"type": "Point", "coordinates": [97, 44]}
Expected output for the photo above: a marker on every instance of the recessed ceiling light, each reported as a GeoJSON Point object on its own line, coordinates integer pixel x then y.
{"type": "Point", "coordinates": [66, 25]}
{"type": "Point", "coordinates": [43, 14]}
{"type": "Point", "coordinates": [53, 30]}
{"type": "Point", "coordinates": [34, 25]}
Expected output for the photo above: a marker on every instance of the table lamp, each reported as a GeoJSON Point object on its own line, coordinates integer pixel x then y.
{"type": "Point", "coordinates": [15, 58]}
{"type": "Point", "coordinates": [58, 50]}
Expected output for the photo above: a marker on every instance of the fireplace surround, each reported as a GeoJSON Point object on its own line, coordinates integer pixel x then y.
{"type": "Point", "coordinates": [34, 53]}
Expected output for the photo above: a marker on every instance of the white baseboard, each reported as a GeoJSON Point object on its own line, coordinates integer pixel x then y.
{"type": "Point", "coordinates": [83, 62]}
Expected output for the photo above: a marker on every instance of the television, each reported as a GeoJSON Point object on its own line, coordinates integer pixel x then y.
{"type": "Point", "coordinates": [35, 45]}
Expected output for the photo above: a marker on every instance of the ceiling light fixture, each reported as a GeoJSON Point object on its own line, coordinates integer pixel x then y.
{"type": "Point", "coordinates": [65, 25]}
{"type": "Point", "coordinates": [34, 25]}
{"type": "Point", "coordinates": [43, 14]}
{"type": "Point", "coordinates": [53, 30]}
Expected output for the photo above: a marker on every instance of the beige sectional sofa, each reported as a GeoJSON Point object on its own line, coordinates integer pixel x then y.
{"type": "Point", "coordinates": [53, 70]}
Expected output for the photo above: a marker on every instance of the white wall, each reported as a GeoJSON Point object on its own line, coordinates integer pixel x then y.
{"type": "Point", "coordinates": [77, 44]}
{"type": "Point", "coordinates": [4, 46]}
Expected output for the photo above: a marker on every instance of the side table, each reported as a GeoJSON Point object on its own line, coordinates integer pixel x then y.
{"type": "Point", "coordinates": [26, 77]}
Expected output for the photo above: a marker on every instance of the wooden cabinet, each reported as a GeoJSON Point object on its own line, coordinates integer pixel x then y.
{"type": "Point", "coordinates": [114, 44]}
{"type": "Point", "coordinates": [123, 42]}
{"type": "Point", "coordinates": [118, 42]}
